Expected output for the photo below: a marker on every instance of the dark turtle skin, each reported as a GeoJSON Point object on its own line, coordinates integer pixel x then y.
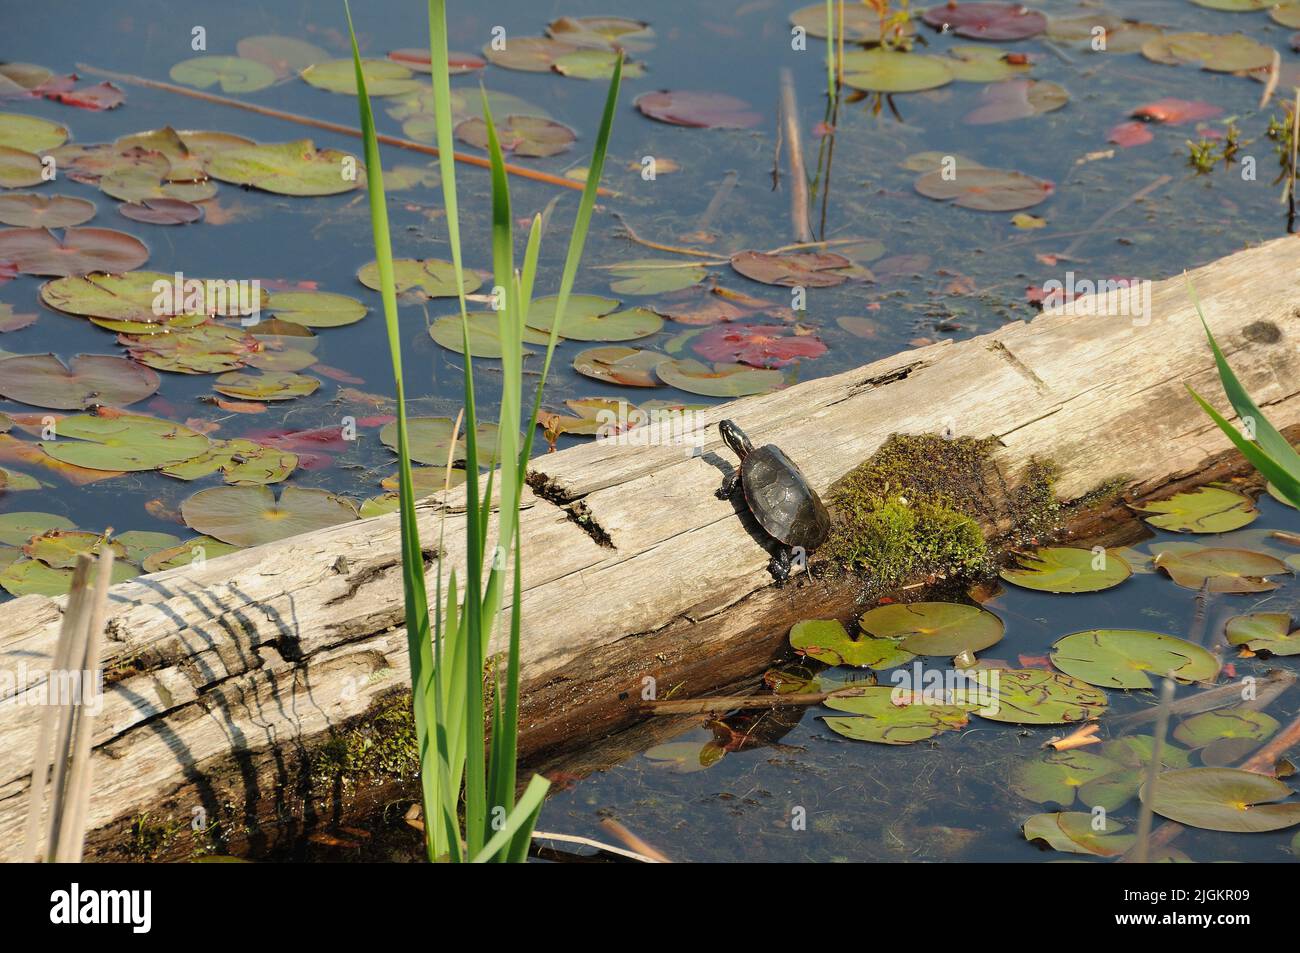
{"type": "Point", "coordinates": [779, 495]}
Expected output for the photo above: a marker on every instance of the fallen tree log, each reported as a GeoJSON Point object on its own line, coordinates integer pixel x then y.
{"type": "Point", "coordinates": [222, 677]}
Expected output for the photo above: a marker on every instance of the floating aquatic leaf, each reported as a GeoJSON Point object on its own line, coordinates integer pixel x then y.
{"type": "Point", "coordinates": [418, 59]}
{"type": "Point", "coordinates": [603, 32]}
{"type": "Point", "coordinates": [287, 168]}
{"type": "Point", "coordinates": [893, 71]}
{"type": "Point", "coordinates": [240, 462]}
{"type": "Point", "coordinates": [484, 334]}
{"type": "Point", "coordinates": [701, 110]}
{"type": "Point", "coordinates": [426, 480]}
{"type": "Point", "coordinates": [1174, 112]}
{"type": "Point", "coordinates": [383, 77]}
{"type": "Point", "coordinates": [161, 211]}
{"type": "Point", "coordinates": [1131, 754]}
{"type": "Point", "coordinates": [27, 210]}
{"type": "Point", "coordinates": [15, 77]}
{"type": "Point", "coordinates": [987, 190]}
{"type": "Point", "coordinates": [630, 366]}
{"type": "Point", "coordinates": [1036, 697]}
{"type": "Point", "coordinates": [986, 21]}
{"type": "Point", "coordinates": [1264, 632]}
{"type": "Point", "coordinates": [58, 548]}
{"type": "Point", "coordinates": [684, 757]}
{"type": "Point", "coordinates": [1287, 14]}
{"type": "Point", "coordinates": [30, 134]}
{"type": "Point", "coordinates": [522, 135]}
{"type": "Point", "coordinates": [1223, 799]}
{"type": "Point", "coordinates": [589, 318]}
{"type": "Point", "coordinates": [531, 54]}
{"type": "Point", "coordinates": [139, 544]}
{"type": "Point", "coordinates": [38, 251]}
{"type": "Point", "coordinates": [757, 345]}
{"type": "Point", "coordinates": [431, 276]}
{"type": "Point", "coordinates": [648, 276]}
{"type": "Point", "coordinates": [1207, 509]}
{"type": "Point", "coordinates": [1129, 134]}
{"type": "Point", "coordinates": [126, 442]}
{"type": "Point", "coordinates": [200, 548]}
{"type": "Point", "coordinates": [233, 74]}
{"type": "Point", "coordinates": [19, 169]}
{"type": "Point", "coordinates": [1068, 569]}
{"type": "Point", "coordinates": [1017, 99]}
{"type": "Point", "coordinates": [141, 185]}
{"type": "Point", "coordinates": [722, 380]}
{"type": "Point", "coordinates": [791, 269]}
{"type": "Point", "coordinates": [1235, 6]}
{"type": "Point", "coordinates": [285, 55]}
{"type": "Point", "coordinates": [881, 720]}
{"type": "Point", "coordinates": [206, 349]}
{"type": "Point", "coordinates": [1225, 54]}
{"type": "Point", "coordinates": [934, 628]}
{"type": "Point", "coordinates": [43, 380]}
{"type": "Point", "coordinates": [826, 640]}
{"type": "Point", "coordinates": [985, 64]}
{"type": "Point", "coordinates": [251, 515]}
{"type": "Point", "coordinates": [27, 577]}
{"type": "Point", "coordinates": [1223, 570]}
{"type": "Point", "coordinates": [595, 64]}
{"type": "Point", "coordinates": [1120, 36]}
{"type": "Point", "coordinates": [430, 440]}
{"type": "Point", "coordinates": [1057, 777]}
{"type": "Point", "coordinates": [1075, 832]}
{"type": "Point", "coordinates": [271, 385]}
{"type": "Point", "coordinates": [12, 481]}
{"type": "Point", "coordinates": [1238, 724]}
{"type": "Point", "coordinates": [17, 528]}
{"type": "Point", "coordinates": [316, 309]}
{"type": "Point", "coordinates": [1122, 658]}
{"type": "Point", "coordinates": [860, 23]}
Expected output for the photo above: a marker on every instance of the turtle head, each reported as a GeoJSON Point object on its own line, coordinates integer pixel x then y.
{"type": "Point", "coordinates": [735, 438]}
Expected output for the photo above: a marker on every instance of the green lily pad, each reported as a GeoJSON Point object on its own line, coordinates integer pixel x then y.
{"type": "Point", "coordinates": [122, 297]}
{"type": "Point", "coordinates": [594, 64]}
{"type": "Point", "coordinates": [379, 505]}
{"type": "Point", "coordinates": [1067, 569]}
{"type": "Point", "coordinates": [1235, 723]}
{"type": "Point", "coordinates": [1229, 53]}
{"type": "Point", "coordinates": [42, 380]}
{"type": "Point", "coordinates": [484, 334]}
{"type": "Point", "coordinates": [426, 480]}
{"type": "Point", "coordinates": [1286, 13]}
{"type": "Point", "coordinates": [205, 349]}
{"type": "Point", "coordinates": [59, 548]}
{"type": "Point", "coordinates": [986, 190]}
{"type": "Point", "coordinates": [240, 462]}
{"type": "Point", "coordinates": [882, 721]}
{"type": "Point", "coordinates": [1057, 777]}
{"type": "Point", "coordinates": [861, 24]}
{"type": "Point", "coordinates": [531, 54]}
{"type": "Point", "coordinates": [588, 318]}
{"type": "Point", "coordinates": [233, 74]}
{"type": "Point", "coordinates": [686, 757]}
{"type": "Point", "coordinates": [1208, 509]}
{"type": "Point", "coordinates": [182, 554]}
{"type": "Point", "coordinates": [891, 71]}
{"type": "Point", "coordinates": [283, 54]}
{"type": "Point", "coordinates": [648, 276]}
{"type": "Point", "coordinates": [316, 309]}
{"type": "Point", "coordinates": [603, 33]}
{"type": "Point", "coordinates": [629, 366]}
{"type": "Point", "coordinates": [30, 134]}
{"type": "Point", "coordinates": [251, 515]}
{"type": "Point", "coordinates": [1073, 832]}
{"type": "Point", "coordinates": [288, 168]}
{"type": "Point", "coordinates": [1264, 632]}
{"type": "Point", "coordinates": [826, 640]}
{"type": "Point", "coordinates": [27, 577]}
{"type": "Point", "coordinates": [1122, 658]}
{"type": "Point", "coordinates": [17, 528]}
{"type": "Point", "coordinates": [139, 186]}
{"type": "Point", "coordinates": [431, 276]}
{"type": "Point", "coordinates": [534, 136]}
{"type": "Point", "coordinates": [383, 77]}
{"type": "Point", "coordinates": [1223, 799]}
{"type": "Point", "coordinates": [272, 385]}
{"type": "Point", "coordinates": [934, 628]}
{"type": "Point", "coordinates": [1032, 696]}
{"type": "Point", "coordinates": [1222, 570]}
{"type": "Point", "coordinates": [140, 544]}
{"type": "Point", "coordinates": [20, 169]}
{"type": "Point", "coordinates": [12, 481]}
{"type": "Point", "coordinates": [718, 380]}
{"type": "Point", "coordinates": [28, 210]}
{"type": "Point", "coordinates": [983, 64]}
{"type": "Point", "coordinates": [126, 442]}
{"type": "Point", "coordinates": [430, 439]}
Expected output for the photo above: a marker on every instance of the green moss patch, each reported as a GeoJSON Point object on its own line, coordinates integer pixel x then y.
{"type": "Point", "coordinates": [381, 747]}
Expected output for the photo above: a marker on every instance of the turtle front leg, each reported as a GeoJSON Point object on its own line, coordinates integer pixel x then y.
{"type": "Point", "coordinates": [730, 483]}
{"type": "Point", "coordinates": [779, 566]}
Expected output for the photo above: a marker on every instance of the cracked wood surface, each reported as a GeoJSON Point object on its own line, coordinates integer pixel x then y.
{"type": "Point", "coordinates": [270, 647]}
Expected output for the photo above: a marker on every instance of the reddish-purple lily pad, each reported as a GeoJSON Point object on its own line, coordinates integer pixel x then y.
{"type": "Point", "coordinates": [522, 135]}
{"type": "Point", "coordinates": [89, 380]}
{"type": "Point", "coordinates": [27, 210]}
{"type": "Point", "coordinates": [38, 251]}
{"type": "Point", "coordinates": [699, 109]}
{"type": "Point", "coordinates": [757, 345]}
{"type": "Point", "coordinates": [986, 21]}
{"type": "Point", "coordinates": [161, 211]}
{"type": "Point", "coordinates": [1017, 99]}
{"type": "Point", "coordinates": [791, 269]}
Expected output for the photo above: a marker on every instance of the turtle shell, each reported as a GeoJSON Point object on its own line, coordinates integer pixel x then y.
{"type": "Point", "coordinates": [781, 499]}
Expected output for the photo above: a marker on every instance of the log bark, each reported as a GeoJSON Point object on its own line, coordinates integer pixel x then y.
{"type": "Point", "coordinates": [221, 676]}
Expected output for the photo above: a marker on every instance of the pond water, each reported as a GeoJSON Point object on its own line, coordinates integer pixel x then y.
{"type": "Point", "coordinates": [918, 270]}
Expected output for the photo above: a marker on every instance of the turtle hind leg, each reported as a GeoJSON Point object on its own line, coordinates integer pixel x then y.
{"type": "Point", "coordinates": [779, 566]}
{"type": "Point", "coordinates": [730, 483]}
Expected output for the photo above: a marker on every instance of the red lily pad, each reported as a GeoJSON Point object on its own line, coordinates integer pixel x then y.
{"type": "Point", "coordinates": [522, 135]}
{"type": "Point", "coordinates": [89, 380]}
{"type": "Point", "coordinates": [38, 251]}
{"type": "Point", "coordinates": [99, 97]}
{"type": "Point", "coordinates": [161, 211]}
{"type": "Point", "coordinates": [11, 320]}
{"type": "Point", "coordinates": [987, 190]}
{"type": "Point", "coordinates": [1017, 99]}
{"type": "Point", "coordinates": [987, 21]}
{"type": "Point", "coordinates": [1175, 112]}
{"type": "Point", "coordinates": [698, 109]}
{"type": "Point", "coordinates": [757, 345]}
{"type": "Point", "coordinates": [27, 210]}
{"type": "Point", "coordinates": [418, 60]}
{"type": "Point", "coordinates": [791, 269]}
{"type": "Point", "coordinates": [1129, 134]}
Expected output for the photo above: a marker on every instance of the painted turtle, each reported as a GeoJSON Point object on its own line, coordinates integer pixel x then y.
{"type": "Point", "coordinates": [779, 496]}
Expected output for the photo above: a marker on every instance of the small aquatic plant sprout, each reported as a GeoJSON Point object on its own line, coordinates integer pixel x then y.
{"type": "Point", "coordinates": [780, 497]}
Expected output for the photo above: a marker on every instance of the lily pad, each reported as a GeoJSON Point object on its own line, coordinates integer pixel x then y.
{"type": "Point", "coordinates": [233, 74]}
{"type": "Point", "coordinates": [161, 211]}
{"type": "Point", "coordinates": [1264, 632]}
{"type": "Point", "coordinates": [27, 577]}
{"type": "Point", "coordinates": [126, 442]}
{"type": "Point", "coordinates": [38, 251]}
{"type": "Point", "coordinates": [251, 515]}
{"type": "Point", "coordinates": [141, 543]}
{"type": "Point", "coordinates": [430, 440]}
{"type": "Point", "coordinates": [183, 554]}
{"type": "Point", "coordinates": [240, 462]}
{"type": "Point", "coordinates": [644, 276]}
{"type": "Point", "coordinates": [791, 269]}
{"type": "Point", "coordinates": [206, 349]}
{"type": "Point", "coordinates": [757, 345]}
{"type": "Point", "coordinates": [1222, 570]}
{"type": "Point", "coordinates": [1057, 777]}
{"type": "Point", "coordinates": [316, 309]}
{"type": "Point", "coordinates": [1017, 99]}
{"type": "Point", "coordinates": [1208, 509]}
{"type": "Point", "coordinates": [603, 32]}
{"type": "Point", "coordinates": [698, 109]}
{"type": "Point", "coordinates": [826, 640]}
{"type": "Point", "coordinates": [417, 59]}
{"type": "Point", "coordinates": [484, 334]}
{"type": "Point", "coordinates": [987, 190]}
{"type": "Point", "coordinates": [893, 71]}
{"type": "Point", "coordinates": [579, 324]}
{"type": "Point", "coordinates": [122, 297]}
{"type": "Point", "coordinates": [934, 628]}
{"type": "Point", "coordinates": [880, 720]}
{"type": "Point", "coordinates": [59, 548]}
{"type": "Point", "coordinates": [271, 385]}
{"type": "Point", "coordinates": [1122, 658]}
{"type": "Point", "coordinates": [629, 366]}
{"type": "Point", "coordinates": [1067, 569]}
{"type": "Point", "coordinates": [594, 64]}
{"type": "Point", "coordinates": [30, 134]}
{"type": "Point", "coordinates": [383, 77]}
{"type": "Point", "coordinates": [861, 24]}
{"type": "Point", "coordinates": [1287, 14]}
{"type": "Point", "coordinates": [18, 528]}
{"type": "Point", "coordinates": [720, 380]}
{"type": "Point", "coordinates": [27, 210]}
{"type": "Point", "coordinates": [426, 480]}
{"type": "Point", "coordinates": [1223, 799]}
{"type": "Point", "coordinates": [1234, 723]}
{"type": "Point", "coordinates": [985, 64]}
{"type": "Point", "coordinates": [19, 169]}
{"type": "Point", "coordinates": [288, 168]}
{"type": "Point", "coordinates": [42, 380]}
{"type": "Point", "coordinates": [986, 21]}
{"type": "Point", "coordinates": [523, 135]}
{"type": "Point", "coordinates": [1073, 832]}
{"type": "Point", "coordinates": [686, 757]}
{"type": "Point", "coordinates": [1229, 53]}
{"type": "Point", "coordinates": [1121, 36]}
{"type": "Point", "coordinates": [433, 277]}
{"type": "Point", "coordinates": [1032, 696]}
{"type": "Point", "coordinates": [531, 54]}
{"type": "Point", "coordinates": [285, 55]}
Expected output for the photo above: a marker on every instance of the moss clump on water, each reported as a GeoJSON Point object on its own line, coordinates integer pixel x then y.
{"type": "Point", "coordinates": [382, 747]}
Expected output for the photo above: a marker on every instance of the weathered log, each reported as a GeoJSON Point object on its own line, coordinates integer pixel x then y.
{"type": "Point", "coordinates": [221, 676]}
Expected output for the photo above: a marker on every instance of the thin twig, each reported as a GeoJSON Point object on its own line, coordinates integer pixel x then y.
{"type": "Point", "coordinates": [630, 234]}
{"type": "Point", "coordinates": [1142, 848]}
{"type": "Point", "coordinates": [328, 126]}
{"type": "Point", "coordinates": [794, 149]}
{"type": "Point", "coordinates": [1137, 196]}
{"type": "Point", "coordinates": [1274, 74]}
{"type": "Point", "coordinates": [632, 841]}
{"type": "Point", "coordinates": [719, 703]}
{"type": "Point", "coordinates": [604, 848]}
